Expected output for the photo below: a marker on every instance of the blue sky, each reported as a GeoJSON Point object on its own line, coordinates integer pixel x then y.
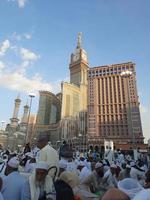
{"type": "Point", "coordinates": [38, 36]}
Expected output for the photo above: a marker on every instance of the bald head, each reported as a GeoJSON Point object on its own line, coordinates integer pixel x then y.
{"type": "Point", "coordinates": [115, 194]}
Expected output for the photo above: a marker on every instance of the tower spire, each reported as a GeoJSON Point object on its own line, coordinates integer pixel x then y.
{"type": "Point", "coordinates": [79, 41]}
{"type": "Point", "coordinates": [18, 96]}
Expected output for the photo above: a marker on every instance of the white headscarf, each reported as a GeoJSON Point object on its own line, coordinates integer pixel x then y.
{"type": "Point", "coordinates": [130, 186]}
{"type": "Point", "coordinates": [143, 195]}
{"type": "Point", "coordinates": [13, 162]}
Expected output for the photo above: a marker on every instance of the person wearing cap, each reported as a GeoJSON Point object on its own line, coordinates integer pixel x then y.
{"type": "Point", "coordinates": [94, 180]}
{"type": "Point", "coordinates": [83, 171]}
{"type": "Point", "coordinates": [71, 166]}
{"type": "Point", "coordinates": [120, 157]}
{"type": "Point", "coordinates": [143, 195]}
{"type": "Point", "coordinates": [30, 166]}
{"type": "Point", "coordinates": [125, 172]}
{"type": "Point", "coordinates": [30, 159]}
{"type": "Point", "coordinates": [109, 179]}
{"type": "Point", "coordinates": [40, 184]}
{"type": "Point", "coordinates": [62, 166]}
{"type": "Point", "coordinates": [47, 153]}
{"type": "Point", "coordinates": [137, 173]}
{"type": "Point", "coordinates": [109, 154]}
{"type": "Point", "coordinates": [130, 186]}
{"type": "Point", "coordinates": [13, 182]}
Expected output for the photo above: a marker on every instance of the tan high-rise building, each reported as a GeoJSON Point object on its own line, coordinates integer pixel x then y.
{"type": "Point", "coordinates": [113, 105]}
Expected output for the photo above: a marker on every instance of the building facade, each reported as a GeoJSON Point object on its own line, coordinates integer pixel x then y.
{"type": "Point", "coordinates": [113, 104]}
{"type": "Point", "coordinates": [49, 109]}
{"type": "Point", "coordinates": [49, 115]}
{"type": "Point", "coordinates": [74, 95]}
{"type": "Point", "coordinates": [99, 103]}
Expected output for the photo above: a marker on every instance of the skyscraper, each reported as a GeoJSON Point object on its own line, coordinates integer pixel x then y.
{"type": "Point", "coordinates": [113, 104]}
{"type": "Point", "coordinates": [98, 103]}
{"type": "Point", "coordinates": [74, 95]}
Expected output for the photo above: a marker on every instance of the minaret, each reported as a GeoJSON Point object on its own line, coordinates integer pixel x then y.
{"type": "Point", "coordinates": [14, 120]}
{"type": "Point", "coordinates": [25, 114]}
{"type": "Point", "coordinates": [24, 120]}
{"type": "Point", "coordinates": [79, 64]}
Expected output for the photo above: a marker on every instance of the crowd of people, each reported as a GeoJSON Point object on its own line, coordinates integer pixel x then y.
{"type": "Point", "coordinates": [43, 173]}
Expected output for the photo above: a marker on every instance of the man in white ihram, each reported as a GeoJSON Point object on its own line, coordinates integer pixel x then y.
{"type": "Point", "coordinates": [40, 184]}
{"type": "Point", "coordinates": [47, 153]}
{"type": "Point", "coordinates": [13, 182]}
{"type": "Point", "coordinates": [109, 155]}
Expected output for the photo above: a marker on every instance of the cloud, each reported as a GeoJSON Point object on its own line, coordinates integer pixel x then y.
{"type": "Point", "coordinates": [27, 36]}
{"type": "Point", "coordinates": [2, 65]}
{"type": "Point", "coordinates": [16, 36]}
{"type": "Point", "coordinates": [15, 77]}
{"type": "Point", "coordinates": [19, 82]}
{"type": "Point", "coordinates": [4, 47]}
{"type": "Point", "coordinates": [19, 37]}
{"type": "Point", "coordinates": [21, 3]}
{"type": "Point", "coordinates": [28, 55]}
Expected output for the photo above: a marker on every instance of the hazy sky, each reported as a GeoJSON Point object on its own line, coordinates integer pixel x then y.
{"type": "Point", "coordinates": [38, 36]}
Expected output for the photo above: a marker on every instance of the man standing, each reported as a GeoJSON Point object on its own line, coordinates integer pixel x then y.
{"type": "Point", "coordinates": [109, 155]}
{"type": "Point", "coordinates": [47, 153]}
{"type": "Point", "coordinates": [12, 183]}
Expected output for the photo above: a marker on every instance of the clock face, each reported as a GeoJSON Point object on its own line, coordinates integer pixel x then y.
{"type": "Point", "coordinates": [76, 58]}
{"type": "Point", "coordinates": [84, 57]}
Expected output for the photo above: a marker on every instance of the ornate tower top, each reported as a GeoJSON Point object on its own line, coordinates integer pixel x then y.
{"type": "Point", "coordinates": [79, 53]}
{"type": "Point", "coordinates": [79, 42]}
{"type": "Point", "coordinates": [79, 64]}
{"type": "Point", "coordinates": [27, 103]}
{"type": "Point", "coordinates": [18, 98]}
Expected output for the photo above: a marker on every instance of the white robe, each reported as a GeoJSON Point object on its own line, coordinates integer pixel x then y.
{"type": "Point", "coordinates": [137, 175]}
{"type": "Point", "coordinates": [49, 155]}
{"type": "Point", "coordinates": [109, 180]}
{"type": "Point", "coordinates": [84, 173]}
{"type": "Point", "coordinates": [1, 197]}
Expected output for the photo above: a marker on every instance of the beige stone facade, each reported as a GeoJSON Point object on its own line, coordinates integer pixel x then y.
{"type": "Point", "coordinates": [74, 96]}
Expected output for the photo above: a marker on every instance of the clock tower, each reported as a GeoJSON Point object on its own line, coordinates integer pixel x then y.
{"type": "Point", "coordinates": [79, 64]}
{"type": "Point", "coordinates": [74, 95]}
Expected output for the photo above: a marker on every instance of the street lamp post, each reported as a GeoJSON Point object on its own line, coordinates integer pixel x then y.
{"type": "Point", "coordinates": [126, 74]}
{"type": "Point", "coordinates": [31, 95]}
